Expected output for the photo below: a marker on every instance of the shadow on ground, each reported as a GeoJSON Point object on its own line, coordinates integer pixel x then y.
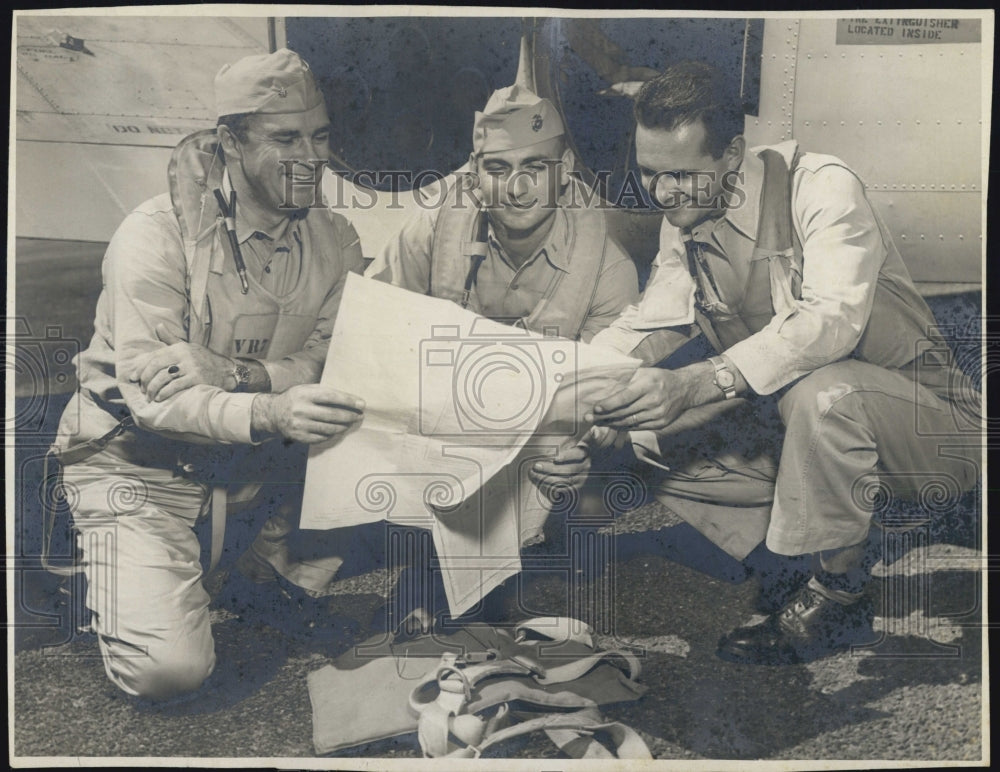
{"type": "Point", "coordinates": [256, 703]}
{"type": "Point", "coordinates": [910, 696]}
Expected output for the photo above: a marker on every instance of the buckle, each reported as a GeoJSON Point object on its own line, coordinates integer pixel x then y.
{"type": "Point", "coordinates": [477, 657]}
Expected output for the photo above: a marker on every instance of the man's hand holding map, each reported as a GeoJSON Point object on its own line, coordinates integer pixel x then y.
{"type": "Point", "coordinates": [457, 409]}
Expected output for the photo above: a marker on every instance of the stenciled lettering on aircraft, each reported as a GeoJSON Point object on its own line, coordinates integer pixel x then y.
{"type": "Point", "coordinates": [904, 31]}
{"type": "Point", "coordinates": [145, 128]}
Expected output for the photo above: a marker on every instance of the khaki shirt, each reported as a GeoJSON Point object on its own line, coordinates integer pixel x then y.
{"type": "Point", "coordinates": [144, 275]}
{"type": "Point", "coordinates": [845, 249]}
{"type": "Point", "coordinates": [503, 292]}
{"type": "Point", "coordinates": [273, 258]}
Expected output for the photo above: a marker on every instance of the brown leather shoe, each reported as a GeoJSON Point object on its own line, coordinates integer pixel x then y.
{"type": "Point", "coordinates": [809, 627]}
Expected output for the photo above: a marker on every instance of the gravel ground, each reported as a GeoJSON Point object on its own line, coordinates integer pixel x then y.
{"type": "Point", "coordinates": [917, 695]}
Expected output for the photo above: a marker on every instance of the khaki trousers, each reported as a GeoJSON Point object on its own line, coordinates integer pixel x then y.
{"type": "Point", "coordinates": [801, 469]}
{"type": "Point", "coordinates": [141, 558]}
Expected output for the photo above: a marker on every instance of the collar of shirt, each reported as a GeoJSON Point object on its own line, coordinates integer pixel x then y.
{"type": "Point", "coordinates": [715, 231]}
{"type": "Point", "coordinates": [554, 249]}
{"type": "Point", "coordinates": [745, 217]}
{"type": "Point", "coordinates": [243, 230]}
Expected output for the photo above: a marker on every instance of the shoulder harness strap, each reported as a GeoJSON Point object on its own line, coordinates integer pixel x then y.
{"type": "Point", "coordinates": [776, 232]}
{"type": "Point", "coordinates": [446, 699]}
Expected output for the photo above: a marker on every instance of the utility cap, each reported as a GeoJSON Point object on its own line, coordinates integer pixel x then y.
{"type": "Point", "coordinates": [266, 83]}
{"type": "Point", "coordinates": [515, 117]}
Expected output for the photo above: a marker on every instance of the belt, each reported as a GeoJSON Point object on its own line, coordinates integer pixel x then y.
{"type": "Point", "coordinates": [210, 463]}
{"type": "Point", "coordinates": [142, 448]}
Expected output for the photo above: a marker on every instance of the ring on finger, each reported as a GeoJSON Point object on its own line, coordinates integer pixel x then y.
{"type": "Point", "coordinates": [174, 370]}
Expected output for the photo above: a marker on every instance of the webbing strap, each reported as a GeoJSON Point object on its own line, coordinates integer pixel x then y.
{"type": "Point", "coordinates": [479, 234]}
{"type": "Point", "coordinates": [564, 725]}
{"type": "Point", "coordinates": [700, 317]}
{"type": "Point", "coordinates": [219, 496]}
{"type": "Point", "coordinates": [477, 249]}
{"type": "Point", "coordinates": [580, 744]}
{"type": "Point", "coordinates": [572, 732]}
{"type": "Point", "coordinates": [76, 453]}
{"type": "Point", "coordinates": [765, 292]}
{"type": "Point", "coordinates": [579, 667]}
{"type": "Point", "coordinates": [774, 225]}
{"type": "Point", "coordinates": [444, 728]}
{"type": "Point", "coordinates": [705, 325]}
{"type": "Point", "coordinates": [776, 234]}
{"type": "Point", "coordinates": [452, 680]}
{"type": "Point", "coordinates": [556, 628]}
{"type": "Point", "coordinates": [433, 730]}
{"type": "Point", "coordinates": [51, 488]}
{"type": "Point", "coordinates": [49, 518]}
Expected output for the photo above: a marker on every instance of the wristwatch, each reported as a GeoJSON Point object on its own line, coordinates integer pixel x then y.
{"type": "Point", "coordinates": [242, 375]}
{"type": "Point", "coordinates": [725, 379]}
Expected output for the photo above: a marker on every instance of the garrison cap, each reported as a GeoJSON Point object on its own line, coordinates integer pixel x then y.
{"type": "Point", "coordinates": [515, 117]}
{"type": "Point", "coordinates": [266, 83]}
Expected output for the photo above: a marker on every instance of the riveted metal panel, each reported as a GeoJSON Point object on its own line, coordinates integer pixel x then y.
{"type": "Point", "coordinates": [895, 113]}
{"type": "Point", "coordinates": [777, 83]}
{"type": "Point", "coordinates": [907, 119]}
{"type": "Point", "coordinates": [938, 234]}
{"type": "Point", "coordinates": [94, 133]}
{"type": "Point", "coordinates": [148, 82]}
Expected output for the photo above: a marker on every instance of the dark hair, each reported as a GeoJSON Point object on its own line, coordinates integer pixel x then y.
{"type": "Point", "coordinates": [238, 123]}
{"type": "Point", "coordinates": [687, 92]}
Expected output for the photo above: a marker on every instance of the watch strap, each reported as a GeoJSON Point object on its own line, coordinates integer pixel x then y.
{"type": "Point", "coordinates": [725, 379]}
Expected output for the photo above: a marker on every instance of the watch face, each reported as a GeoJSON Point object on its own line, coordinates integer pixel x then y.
{"type": "Point", "coordinates": [726, 379]}
{"type": "Point", "coordinates": [242, 373]}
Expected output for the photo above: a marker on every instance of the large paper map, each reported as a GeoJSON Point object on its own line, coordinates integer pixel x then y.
{"type": "Point", "coordinates": [457, 409]}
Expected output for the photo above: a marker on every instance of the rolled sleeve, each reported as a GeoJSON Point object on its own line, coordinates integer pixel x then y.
{"type": "Point", "coordinates": [289, 371]}
{"type": "Point", "coordinates": [843, 253]}
{"type": "Point", "coordinates": [206, 415]}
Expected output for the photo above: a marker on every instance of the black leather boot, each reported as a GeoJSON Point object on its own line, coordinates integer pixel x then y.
{"type": "Point", "coordinates": [809, 627]}
{"type": "Point", "coordinates": [779, 577]}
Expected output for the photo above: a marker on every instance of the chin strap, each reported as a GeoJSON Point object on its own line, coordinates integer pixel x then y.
{"type": "Point", "coordinates": [476, 250]}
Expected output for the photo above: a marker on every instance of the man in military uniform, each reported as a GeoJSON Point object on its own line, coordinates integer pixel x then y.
{"type": "Point", "coordinates": [210, 336]}
{"type": "Point", "coordinates": [547, 262]}
{"type": "Point", "coordinates": [778, 257]}
{"type": "Point", "coordinates": [543, 258]}
{"type": "Point", "coordinates": [514, 237]}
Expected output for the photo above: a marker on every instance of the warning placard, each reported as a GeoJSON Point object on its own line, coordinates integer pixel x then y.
{"type": "Point", "coordinates": [882, 32]}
